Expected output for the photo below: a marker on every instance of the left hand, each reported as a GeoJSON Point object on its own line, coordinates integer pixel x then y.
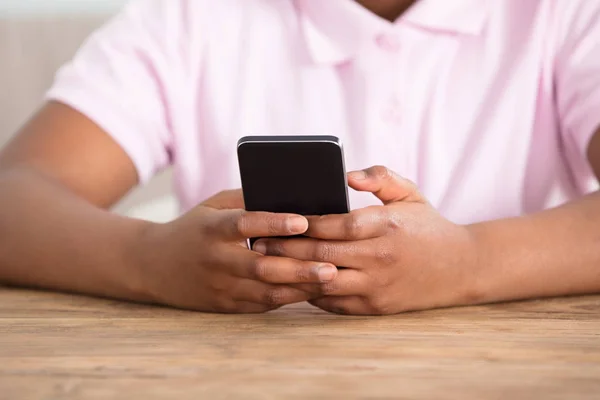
{"type": "Point", "coordinates": [398, 257]}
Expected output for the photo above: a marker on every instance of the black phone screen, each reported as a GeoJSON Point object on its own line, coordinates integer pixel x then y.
{"type": "Point", "coordinates": [300, 177]}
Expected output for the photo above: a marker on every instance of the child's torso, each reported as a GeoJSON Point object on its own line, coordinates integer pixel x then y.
{"type": "Point", "coordinates": [470, 118]}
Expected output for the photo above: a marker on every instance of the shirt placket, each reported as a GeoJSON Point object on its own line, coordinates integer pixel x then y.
{"type": "Point", "coordinates": [384, 102]}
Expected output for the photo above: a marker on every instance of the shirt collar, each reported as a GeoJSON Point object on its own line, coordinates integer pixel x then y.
{"type": "Point", "coordinates": [335, 30]}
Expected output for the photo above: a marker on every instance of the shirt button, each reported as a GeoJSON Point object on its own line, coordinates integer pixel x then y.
{"type": "Point", "coordinates": [388, 42]}
{"type": "Point", "coordinates": [392, 116]}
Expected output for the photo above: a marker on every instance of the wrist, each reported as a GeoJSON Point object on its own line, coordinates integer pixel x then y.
{"type": "Point", "coordinates": [498, 270]}
{"type": "Point", "coordinates": [142, 258]}
{"type": "Point", "coordinates": [475, 265]}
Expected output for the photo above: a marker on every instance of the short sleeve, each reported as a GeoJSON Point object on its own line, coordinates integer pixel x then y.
{"type": "Point", "coordinates": [578, 78]}
{"type": "Point", "coordinates": [122, 78]}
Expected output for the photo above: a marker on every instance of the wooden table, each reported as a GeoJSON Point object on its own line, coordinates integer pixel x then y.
{"type": "Point", "coordinates": [55, 346]}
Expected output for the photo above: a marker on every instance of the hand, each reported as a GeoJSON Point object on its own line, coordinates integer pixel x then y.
{"type": "Point", "coordinates": [201, 261]}
{"type": "Point", "coordinates": [400, 256]}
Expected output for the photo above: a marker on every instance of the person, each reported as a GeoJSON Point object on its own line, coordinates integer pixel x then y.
{"type": "Point", "coordinates": [491, 108]}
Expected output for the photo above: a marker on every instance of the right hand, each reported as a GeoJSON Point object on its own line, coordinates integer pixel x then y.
{"type": "Point", "coordinates": [201, 261]}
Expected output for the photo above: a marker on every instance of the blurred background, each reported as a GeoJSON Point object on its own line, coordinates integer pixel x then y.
{"type": "Point", "coordinates": [36, 38]}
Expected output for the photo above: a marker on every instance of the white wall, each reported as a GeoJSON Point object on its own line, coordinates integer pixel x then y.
{"type": "Point", "coordinates": [29, 7]}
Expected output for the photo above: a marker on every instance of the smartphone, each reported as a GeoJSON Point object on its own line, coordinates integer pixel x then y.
{"type": "Point", "coordinates": [302, 175]}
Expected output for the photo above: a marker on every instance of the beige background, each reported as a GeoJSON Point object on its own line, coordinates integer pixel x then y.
{"type": "Point", "coordinates": [31, 50]}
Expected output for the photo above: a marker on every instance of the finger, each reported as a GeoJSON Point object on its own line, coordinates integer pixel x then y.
{"type": "Point", "coordinates": [240, 224]}
{"type": "Point", "coordinates": [280, 270]}
{"type": "Point", "coordinates": [349, 282]}
{"type": "Point", "coordinates": [272, 296]}
{"type": "Point", "coordinates": [229, 199]}
{"type": "Point", "coordinates": [351, 305]}
{"type": "Point", "coordinates": [339, 253]}
{"type": "Point", "coordinates": [388, 186]}
{"type": "Point", "coordinates": [362, 224]}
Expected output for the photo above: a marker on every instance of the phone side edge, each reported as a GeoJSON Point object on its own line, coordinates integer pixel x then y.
{"type": "Point", "coordinates": [345, 173]}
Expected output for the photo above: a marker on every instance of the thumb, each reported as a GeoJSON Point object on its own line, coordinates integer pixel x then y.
{"type": "Point", "coordinates": [384, 183]}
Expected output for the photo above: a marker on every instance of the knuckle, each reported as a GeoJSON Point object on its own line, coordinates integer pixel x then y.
{"type": "Point", "coordinates": [412, 188]}
{"type": "Point", "coordinates": [274, 297]}
{"type": "Point", "coordinates": [329, 288]}
{"type": "Point", "coordinates": [394, 223]}
{"type": "Point", "coordinates": [262, 270]}
{"type": "Point", "coordinates": [274, 225]}
{"type": "Point", "coordinates": [381, 172]}
{"type": "Point", "coordinates": [354, 225]}
{"type": "Point", "coordinates": [382, 281]}
{"type": "Point", "coordinates": [385, 255]}
{"type": "Point", "coordinates": [209, 227]}
{"type": "Point", "coordinates": [378, 305]}
{"type": "Point", "coordinates": [323, 251]}
{"type": "Point", "coordinates": [303, 273]}
{"type": "Point", "coordinates": [243, 223]}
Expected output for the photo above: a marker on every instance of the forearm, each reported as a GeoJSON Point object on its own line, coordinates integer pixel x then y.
{"type": "Point", "coordinates": [552, 253]}
{"type": "Point", "coordinates": [50, 238]}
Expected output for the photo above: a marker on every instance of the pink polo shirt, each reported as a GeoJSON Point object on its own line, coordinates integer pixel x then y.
{"type": "Point", "coordinates": [488, 105]}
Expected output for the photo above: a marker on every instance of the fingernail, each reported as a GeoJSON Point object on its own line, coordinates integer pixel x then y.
{"type": "Point", "coordinates": [358, 175]}
{"type": "Point", "coordinates": [260, 247]}
{"type": "Point", "coordinates": [297, 224]}
{"type": "Point", "coordinates": [326, 273]}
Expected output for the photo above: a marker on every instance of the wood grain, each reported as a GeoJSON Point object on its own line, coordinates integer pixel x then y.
{"type": "Point", "coordinates": [55, 346]}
